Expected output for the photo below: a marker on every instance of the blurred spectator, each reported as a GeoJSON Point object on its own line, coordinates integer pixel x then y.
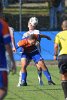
{"type": "Point", "coordinates": [56, 9]}
{"type": "Point", "coordinates": [5, 3]}
{"type": "Point", "coordinates": [13, 1]}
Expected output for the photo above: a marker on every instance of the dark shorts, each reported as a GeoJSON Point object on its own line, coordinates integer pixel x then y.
{"type": "Point", "coordinates": [3, 79]}
{"type": "Point", "coordinates": [62, 63]}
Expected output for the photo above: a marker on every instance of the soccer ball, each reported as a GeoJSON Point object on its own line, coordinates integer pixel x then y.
{"type": "Point", "coordinates": [33, 21]}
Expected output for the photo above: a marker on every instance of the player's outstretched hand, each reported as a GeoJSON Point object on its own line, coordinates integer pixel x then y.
{"type": "Point", "coordinates": [13, 68]}
{"type": "Point", "coordinates": [14, 49]}
{"type": "Point", "coordinates": [48, 38]}
{"type": "Point", "coordinates": [55, 57]}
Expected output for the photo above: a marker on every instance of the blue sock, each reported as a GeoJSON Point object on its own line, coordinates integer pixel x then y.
{"type": "Point", "coordinates": [47, 74]}
{"type": "Point", "coordinates": [24, 76]}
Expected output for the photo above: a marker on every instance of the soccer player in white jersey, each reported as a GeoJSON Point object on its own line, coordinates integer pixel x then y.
{"type": "Point", "coordinates": [32, 23]}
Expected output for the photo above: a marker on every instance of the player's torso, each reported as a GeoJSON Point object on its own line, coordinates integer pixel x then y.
{"type": "Point", "coordinates": [63, 42]}
{"type": "Point", "coordinates": [28, 48]}
{"type": "Point", "coordinates": [30, 32]}
{"type": "Point", "coordinates": [2, 48]}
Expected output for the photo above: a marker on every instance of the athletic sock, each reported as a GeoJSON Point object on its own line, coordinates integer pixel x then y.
{"type": "Point", "coordinates": [64, 87]}
{"type": "Point", "coordinates": [47, 74]}
{"type": "Point", "coordinates": [20, 77]}
{"type": "Point", "coordinates": [24, 76]}
{"type": "Point", "coordinates": [40, 73]}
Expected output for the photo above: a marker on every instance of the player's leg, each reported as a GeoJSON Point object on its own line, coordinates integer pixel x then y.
{"type": "Point", "coordinates": [20, 77]}
{"type": "Point", "coordinates": [23, 72]}
{"type": "Point", "coordinates": [46, 72]}
{"type": "Point", "coordinates": [62, 64]}
{"type": "Point", "coordinates": [39, 70]}
{"type": "Point", "coordinates": [9, 67]}
{"type": "Point", "coordinates": [40, 63]}
{"type": "Point", "coordinates": [24, 62]}
{"type": "Point", "coordinates": [3, 84]}
{"type": "Point", "coordinates": [2, 94]}
{"type": "Point", "coordinates": [64, 84]}
{"type": "Point", "coordinates": [20, 73]}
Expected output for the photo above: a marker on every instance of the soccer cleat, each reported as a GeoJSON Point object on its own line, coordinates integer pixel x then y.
{"type": "Point", "coordinates": [66, 99]}
{"type": "Point", "coordinates": [40, 81]}
{"type": "Point", "coordinates": [18, 85]}
{"type": "Point", "coordinates": [51, 83]}
{"type": "Point", "coordinates": [22, 84]}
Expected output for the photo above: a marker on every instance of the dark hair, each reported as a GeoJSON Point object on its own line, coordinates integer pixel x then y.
{"type": "Point", "coordinates": [32, 37]}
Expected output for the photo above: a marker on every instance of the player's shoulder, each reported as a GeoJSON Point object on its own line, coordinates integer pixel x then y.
{"type": "Point", "coordinates": [58, 33]}
{"type": "Point", "coordinates": [11, 28]}
{"type": "Point", "coordinates": [36, 32]}
{"type": "Point", "coordinates": [25, 41]}
{"type": "Point", "coordinates": [26, 34]}
{"type": "Point", "coordinates": [3, 22]}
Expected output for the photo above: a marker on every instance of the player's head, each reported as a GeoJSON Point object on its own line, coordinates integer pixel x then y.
{"type": "Point", "coordinates": [1, 7]}
{"type": "Point", "coordinates": [32, 23]}
{"type": "Point", "coordinates": [32, 39]}
{"type": "Point", "coordinates": [64, 24]}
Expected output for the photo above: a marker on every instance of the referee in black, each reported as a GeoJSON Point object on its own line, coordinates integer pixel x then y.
{"type": "Point", "coordinates": [60, 53]}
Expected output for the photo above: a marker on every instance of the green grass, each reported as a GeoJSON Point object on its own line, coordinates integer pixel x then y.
{"type": "Point", "coordinates": [34, 91]}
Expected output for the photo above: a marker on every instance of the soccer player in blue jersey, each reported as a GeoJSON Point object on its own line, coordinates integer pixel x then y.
{"type": "Point", "coordinates": [5, 41]}
{"type": "Point", "coordinates": [32, 24]}
{"type": "Point", "coordinates": [30, 52]}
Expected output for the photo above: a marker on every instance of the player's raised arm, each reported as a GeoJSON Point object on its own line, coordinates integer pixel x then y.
{"type": "Point", "coordinates": [44, 36]}
{"type": "Point", "coordinates": [37, 37]}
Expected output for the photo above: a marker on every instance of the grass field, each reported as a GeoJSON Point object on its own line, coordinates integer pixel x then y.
{"type": "Point", "coordinates": [34, 91]}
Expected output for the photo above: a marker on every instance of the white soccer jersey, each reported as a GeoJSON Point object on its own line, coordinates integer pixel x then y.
{"type": "Point", "coordinates": [29, 33]}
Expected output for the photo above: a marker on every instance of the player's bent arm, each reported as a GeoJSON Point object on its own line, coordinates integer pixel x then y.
{"type": "Point", "coordinates": [21, 43]}
{"type": "Point", "coordinates": [11, 31]}
{"type": "Point", "coordinates": [44, 36]}
{"type": "Point", "coordinates": [13, 44]}
{"type": "Point", "coordinates": [55, 51]}
{"type": "Point", "coordinates": [9, 50]}
{"type": "Point", "coordinates": [25, 35]}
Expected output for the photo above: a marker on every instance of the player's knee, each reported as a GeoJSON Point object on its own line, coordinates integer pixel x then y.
{"type": "Point", "coordinates": [23, 69]}
{"type": "Point", "coordinates": [64, 76]}
{"type": "Point", "coordinates": [42, 64]}
{"type": "Point", "coordinates": [3, 93]}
